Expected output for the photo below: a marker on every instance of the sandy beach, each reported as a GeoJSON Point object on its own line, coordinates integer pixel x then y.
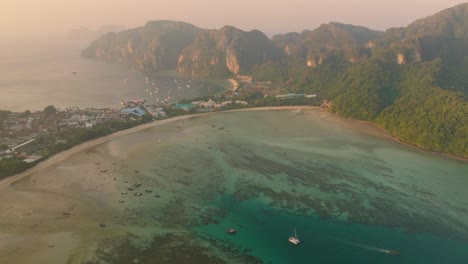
{"type": "Point", "coordinates": [59, 210]}
{"type": "Point", "coordinates": [45, 208]}
{"type": "Point", "coordinates": [89, 144]}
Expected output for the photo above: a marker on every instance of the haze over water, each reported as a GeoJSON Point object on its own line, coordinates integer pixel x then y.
{"type": "Point", "coordinates": [350, 191]}
{"type": "Point", "coordinates": [36, 72]}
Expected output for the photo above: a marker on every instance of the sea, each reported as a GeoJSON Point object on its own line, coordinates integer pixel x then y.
{"type": "Point", "coordinates": [37, 72]}
{"type": "Point", "coordinates": [349, 191]}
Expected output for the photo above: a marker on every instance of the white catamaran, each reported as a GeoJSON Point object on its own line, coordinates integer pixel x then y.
{"type": "Point", "coordinates": [293, 239]}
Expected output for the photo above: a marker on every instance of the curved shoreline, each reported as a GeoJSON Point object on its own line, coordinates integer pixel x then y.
{"type": "Point", "coordinates": [390, 136]}
{"type": "Point", "coordinates": [89, 144]}
{"type": "Point", "coordinates": [86, 145]}
{"type": "Point", "coordinates": [438, 153]}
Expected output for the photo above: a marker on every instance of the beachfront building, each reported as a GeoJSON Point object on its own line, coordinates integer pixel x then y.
{"type": "Point", "coordinates": [295, 96]}
{"type": "Point", "coordinates": [134, 111]}
{"type": "Point", "coordinates": [32, 158]}
{"type": "Point", "coordinates": [290, 96]}
{"type": "Point", "coordinates": [156, 112]}
{"type": "Point", "coordinates": [212, 104]}
{"type": "Point", "coordinates": [241, 102]}
{"type": "Point", "coordinates": [185, 107]}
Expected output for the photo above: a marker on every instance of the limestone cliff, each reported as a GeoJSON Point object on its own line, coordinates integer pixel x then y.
{"type": "Point", "coordinates": [443, 35]}
{"type": "Point", "coordinates": [314, 47]}
{"type": "Point", "coordinates": [226, 51]}
{"type": "Point", "coordinates": [156, 46]}
{"type": "Point", "coordinates": [218, 53]}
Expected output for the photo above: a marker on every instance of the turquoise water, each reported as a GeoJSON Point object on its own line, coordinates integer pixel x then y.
{"type": "Point", "coordinates": [350, 191]}
{"type": "Point", "coordinates": [265, 231]}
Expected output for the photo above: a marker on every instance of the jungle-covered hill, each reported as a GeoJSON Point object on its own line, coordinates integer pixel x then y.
{"type": "Point", "coordinates": [412, 81]}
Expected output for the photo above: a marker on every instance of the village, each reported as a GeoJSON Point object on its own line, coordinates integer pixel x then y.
{"type": "Point", "coordinates": [19, 132]}
{"type": "Point", "coordinates": [30, 137]}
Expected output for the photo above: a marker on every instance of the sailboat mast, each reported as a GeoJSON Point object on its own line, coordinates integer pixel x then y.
{"type": "Point", "coordinates": [293, 239]}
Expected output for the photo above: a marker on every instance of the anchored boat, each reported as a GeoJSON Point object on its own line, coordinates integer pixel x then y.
{"type": "Point", "coordinates": [294, 239]}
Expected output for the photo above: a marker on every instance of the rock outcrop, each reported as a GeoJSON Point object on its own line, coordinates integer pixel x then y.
{"type": "Point", "coordinates": [218, 53]}
{"type": "Point", "coordinates": [226, 51]}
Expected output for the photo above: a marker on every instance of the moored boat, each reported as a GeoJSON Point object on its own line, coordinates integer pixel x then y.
{"type": "Point", "coordinates": [294, 239]}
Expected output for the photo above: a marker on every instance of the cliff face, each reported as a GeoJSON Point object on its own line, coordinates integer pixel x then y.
{"type": "Point", "coordinates": [156, 46]}
{"type": "Point", "coordinates": [225, 51]}
{"type": "Point", "coordinates": [443, 35]}
{"type": "Point", "coordinates": [450, 22]}
{"type": "Point", "coordinates": [412, 81]}
{"type": "Point", "coordinates": [334, 39]}
{"type": "Point", "coordinates": [161, 45]}
{"type": "Point", "coordinates": [169, 45]}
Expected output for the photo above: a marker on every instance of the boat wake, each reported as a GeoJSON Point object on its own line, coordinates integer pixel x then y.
{"type": "Point", "coordinates": [363, 246]}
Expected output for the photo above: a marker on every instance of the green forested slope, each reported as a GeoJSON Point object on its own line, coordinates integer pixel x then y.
{"type": "Point", "coordinates": [412, 81]}
{"type": "Point", "coordinates": [365, 89]}
{"type": "Point", "coordinates": [426, 115]}
{"type": "Point", "coordinates": [406, 101]}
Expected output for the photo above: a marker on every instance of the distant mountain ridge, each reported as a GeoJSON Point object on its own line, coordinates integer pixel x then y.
{"type": "Point", "coordinates": [155, 46]}
{"type": "Point", "coordinates": [169, 45]}
{"type": "Point", "coordinates": [313, 47]}
{"type": "Point", "coordinates": [450, 22]}
{"type": "Point", "coordinates": [226, 51]}
{"type": "Point", "coordinates": [173, 45]}
{"type": "Point", "coordinates": [413, 81]}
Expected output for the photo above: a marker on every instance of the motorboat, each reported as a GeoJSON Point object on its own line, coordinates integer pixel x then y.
{"type": "Point", "coordinates": [392, 252]}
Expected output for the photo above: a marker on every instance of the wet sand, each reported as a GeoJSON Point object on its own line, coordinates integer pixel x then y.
{"type": "Point", "coordinates": [92, 143]}
{"type": "Point", "coordinates": [51, 210]}
{"type": "Point", "coordinates": [54, 211]}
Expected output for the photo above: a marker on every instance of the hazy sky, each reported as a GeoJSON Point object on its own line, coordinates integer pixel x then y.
{"type": "Point", "coordinates": [38, 17]}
